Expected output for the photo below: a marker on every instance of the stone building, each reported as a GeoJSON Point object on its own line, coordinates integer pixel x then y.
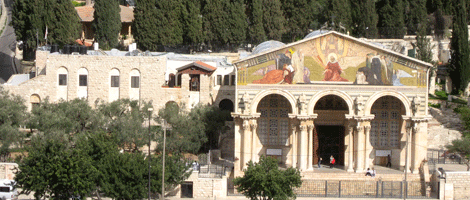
{"type": "Point", "coordinates": [108, 76]}
{"type": "Point", "coordinates": [331, 95]}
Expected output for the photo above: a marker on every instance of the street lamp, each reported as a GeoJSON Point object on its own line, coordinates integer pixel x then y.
{"type": "Point", "coordinates": [150, 157]}
{"type": "Point", "coordinates": [163, 168]}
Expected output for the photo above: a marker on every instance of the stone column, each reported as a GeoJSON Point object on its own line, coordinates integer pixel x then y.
{"type": "Point", "coordinates": [254, 154]}
{"type": "Point", "coordinates": [246, 141]}
{"type": "Point", "coordinates": [294, 141]}
{"type": "Point", "coordinates": [409, 128]}
{"type": "Point", "coordinates": [238, 165]}
{"type": "Point", "coordinates": [368, 146]}
{"type": "Point", "coordinates": [350, 148]}
{"type": "Point", "coordinates": [310, 147]}
{"type": "Point", "coordinates": [359, 139]}
{"type": "Point", "coordinates": [303, 147]}
{"type": "Point", "coordinates": [415, 148]}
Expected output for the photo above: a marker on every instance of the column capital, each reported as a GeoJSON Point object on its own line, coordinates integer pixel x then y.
{"type": "Point", "coordinates": [303, 127]}
{"type": "Point", "coordinates": [359, 128]}
{"type": "Point", "coordinates": [246, 124]}
{"type": "Point", "coordinates": [311, 127]}
{"type": "Point", "coordinates": [367, 128]}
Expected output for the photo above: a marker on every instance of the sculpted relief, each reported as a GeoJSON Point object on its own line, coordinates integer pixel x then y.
{"type": "Point", "coordinates": [331, 59]}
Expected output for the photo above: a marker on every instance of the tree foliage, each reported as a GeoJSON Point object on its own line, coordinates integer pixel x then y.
{"type": "Point", "coordinates": [364, 18]}
{"type": "Point", "coordinates": [391, 18]}
{"type": "Point", "coordinates": [423, 45]}
{"type": "Point", "coordinates": [460, 63]}
{"type": "Point", "coordinates": [273, 19]}
{"type": "Point", "coordinates": [461, 147]}
{"type": "Point", "coordinates": [12, 115]}
{"type": "Point", "coordinates": [52, 168]}
{"type": "Point", "coordinates": [145, 25]}
{"type": "Point", "coordinates": [30, 19]}
{"type": "Point", "coordinates": [264, 180]}
{"type": "Point", "coordinates": [339, 15]}
{"type": "Point", "coordinates": [107, 23]}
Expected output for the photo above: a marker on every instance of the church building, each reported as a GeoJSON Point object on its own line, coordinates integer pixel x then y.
{"type": "Point", "coordinates": [331, 95]}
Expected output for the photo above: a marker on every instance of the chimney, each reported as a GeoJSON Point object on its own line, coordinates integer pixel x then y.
{"type": "Point", "coordinates": [88, 2]}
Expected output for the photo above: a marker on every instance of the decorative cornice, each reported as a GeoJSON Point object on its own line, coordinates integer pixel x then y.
{"type": "Point", "coordinates": [418, 119]}
{"type": "Point", "coordinates": [364, 118]}
{"type": "Point", "coordinates": [306, 117]}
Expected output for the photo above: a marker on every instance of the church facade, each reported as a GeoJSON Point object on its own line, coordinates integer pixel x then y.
{"type": "Point", "coordinates": [331, 95]}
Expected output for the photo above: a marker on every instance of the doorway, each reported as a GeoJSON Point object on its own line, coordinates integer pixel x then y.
{"type": "Point", "coordinates": [330, 142]}
{"type": "Point", "coordinates": [187, 190]}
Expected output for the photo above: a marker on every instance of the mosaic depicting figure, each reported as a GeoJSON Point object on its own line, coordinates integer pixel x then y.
{"type": "Point", "coordinates": [333, 70]}
{"type": "Point", "coordinates": [330, 59]}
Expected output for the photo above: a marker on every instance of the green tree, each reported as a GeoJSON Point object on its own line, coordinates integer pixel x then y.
{"type": "Point", "coordinates": [124, 176]}
{"type": "Point", "coordinates": [264, 180]}
{"type": "Point", "coordinates": [12, 115]}
{"type": "Point", "coordinates": [237, 23]}
{"type": "Point", "coordinates": [461, 147]}
{"type": "Point", "coordinates": [124, 119]}
{"type": "Point", "coordinates": [299, 15]}
{"type": "Point", "coordinates": [364, 18]}
{"type": "Point", "coordinates": [391, 18]}
{"type": "Point", "coordinates": [192, 29]}
{"type": "Point", "coordinates": [254, 10]}
{"type": "Point", "coordinates": [145, 25]}
{"type": "Point", "coordinates": [187, 133]}
{"type": "Point", "coordinates": [171, 25]}
{"type": "Point", "coordinates": [107, 23]}
{"type": "Point", "coordinates": [214, 123]}
{"type": "Point", "coordinates": [64, 117]}
{"type": "Point", "coordinates": [339, 15]}
{"type": "Point", "coordinates": [53, 168]}
{"type": "Point", "coordinates": [215, 22]}
{"type": "Point", "coordinates": [176, 171]}
{"type": "Point", "coordinates": [273, 19]}
{"type": "Point", "coordinates": [30, 18]}
{"type": "Point", "coordinates": [460, 63]}
{"type": "Point", "coordinates": [415, 15]}
{"type": "Point", "coordinates": [423, 44]}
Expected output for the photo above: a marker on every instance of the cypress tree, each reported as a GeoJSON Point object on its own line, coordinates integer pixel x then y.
{"type": "Point", "coordinates": [339, 15]}
{"type": "Point", "coordinates": [144, 25]}
{"type": "Point", "coordinates": [107, 23]}
{"type": "Point", "coordinates": [192, 28]}
{"type": "Point", "coordinates": [460, 63]}
{"type": "Point", "coordinates": [30, 18]}
{"type": "Point", "coordinates": [299, 14]}
{"type": "Point", "coordinates": [391, 18]}
{"type": "Point", "coordinates": [215, 21]}
{"type": "Point", "coordinates": [171, 26]}
{"type": "Point", "coordinates": [256, 33]}
{"type": "Point", "coordinates": [273, 19]}
{"type": "Point", "coordinates": [423, 44]}
{"type": "Point", "coordinates": [237, 22]}
{"type": "Point", "coordinates": [415, 15]}
{"type": "Point", "coordinates": [364, 18]}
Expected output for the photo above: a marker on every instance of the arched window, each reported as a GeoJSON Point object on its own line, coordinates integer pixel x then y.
{"type": "Point", "coordinates": [35, 100]}
{"type": "Point", "coordinates": [172, 80]}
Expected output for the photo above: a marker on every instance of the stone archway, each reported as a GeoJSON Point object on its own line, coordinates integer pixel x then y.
{"type": "Point", "coordinates": [329, 139]}
{"type": "Point", "coordinates": [274, 126]}
{"type": "Point", "coordinates": [386, 130]}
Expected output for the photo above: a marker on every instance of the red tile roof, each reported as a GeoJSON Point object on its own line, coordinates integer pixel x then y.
{"type": "Point", "coordinates": [86, 13]}
{"type": "Point", "coordinates": [205, 65]}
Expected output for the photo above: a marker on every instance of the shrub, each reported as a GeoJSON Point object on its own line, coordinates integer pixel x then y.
{"type": "Point", "coordinates": [435, 105]}
{"type": "Point", "coordinates": [441, 95]}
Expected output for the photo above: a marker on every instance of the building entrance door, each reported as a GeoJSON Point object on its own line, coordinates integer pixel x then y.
{"type": "Point", "coordinates": [330, 143]}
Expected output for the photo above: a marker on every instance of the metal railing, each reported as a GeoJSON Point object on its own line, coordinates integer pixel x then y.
{"type": "Point", "coordinates": [211, 171]}
{"type": "Point", "coordinates": [354, 189]}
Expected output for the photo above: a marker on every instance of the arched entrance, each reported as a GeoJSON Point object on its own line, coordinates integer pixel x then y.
{"type": "Point", "coordinates": [273, 126]}
{"type": "Point", "coordinates": [329, 129]}
{"type": "Point", "coordinates": [226, 105]}
{"type": "Point", "coordinates": [386, 129]}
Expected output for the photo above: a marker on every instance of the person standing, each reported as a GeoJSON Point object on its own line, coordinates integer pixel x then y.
{"type": "Point", "coordinates": [389, 161]}
{"type": "Point", "coordinates": [319, 162]}
{"type": "Point", "coordinates": [332, 161]}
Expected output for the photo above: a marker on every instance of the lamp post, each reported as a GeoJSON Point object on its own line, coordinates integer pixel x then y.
{"type": "Point", "coordinates": [163, 168]}
{"type": "Point", "coordinates": [150, 157]}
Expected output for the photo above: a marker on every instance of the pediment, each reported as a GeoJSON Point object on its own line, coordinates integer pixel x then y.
{"type": "Point", "coordinates": [332, 58]}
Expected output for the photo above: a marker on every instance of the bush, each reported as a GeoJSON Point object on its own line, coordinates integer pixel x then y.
{"type": "Point", "coordinates": [441, 95]}
{"type": "Point", "coordinates": [464, 112]}
{"type": "Point", "coordinates": [435, 105]}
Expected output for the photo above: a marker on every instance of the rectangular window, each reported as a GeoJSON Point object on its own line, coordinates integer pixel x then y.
{"type": "Point", "coordinates": [82, 80]}
{"type": "Point", "coordinates": [219, 79]}
{"type": "Point", "coordinates": [226, 80]}
{"type": "Point", "coordinates": [114, 81]}
{"type": "Point", "coordinates": [134, 82]}
{"type": "Point", "coordinates": [234, 81]}
{"type": "Point", "coordinates": [62, 79]}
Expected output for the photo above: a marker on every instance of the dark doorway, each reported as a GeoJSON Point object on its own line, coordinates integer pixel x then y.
{"type": "Point", "coordinates": [330, 140]}
{"type": "Point", "coordinates": [187, 190]}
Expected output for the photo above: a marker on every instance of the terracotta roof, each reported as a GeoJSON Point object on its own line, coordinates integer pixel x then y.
{"type": "Point", "coordinates": [199, 64]}
{"type": "Point", "coordinates": [86, 13]}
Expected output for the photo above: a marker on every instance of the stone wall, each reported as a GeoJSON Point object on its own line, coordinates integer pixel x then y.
{"type": "Point", "coordinates": [151, 70]}
{"type": "Point", "coordinates": [7, 170]}
{"type": "Point", "coordinates": [206, 187]}
{"type": "Point", "coordinates": [457, 185]}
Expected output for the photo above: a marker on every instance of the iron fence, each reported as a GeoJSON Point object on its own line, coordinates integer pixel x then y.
{"type": "Point", "coordinates": [436, 156]}
{"type": "Point", "coordinates": [211, 171]}
{"type": "Point", "coordinates": [354, 189]}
